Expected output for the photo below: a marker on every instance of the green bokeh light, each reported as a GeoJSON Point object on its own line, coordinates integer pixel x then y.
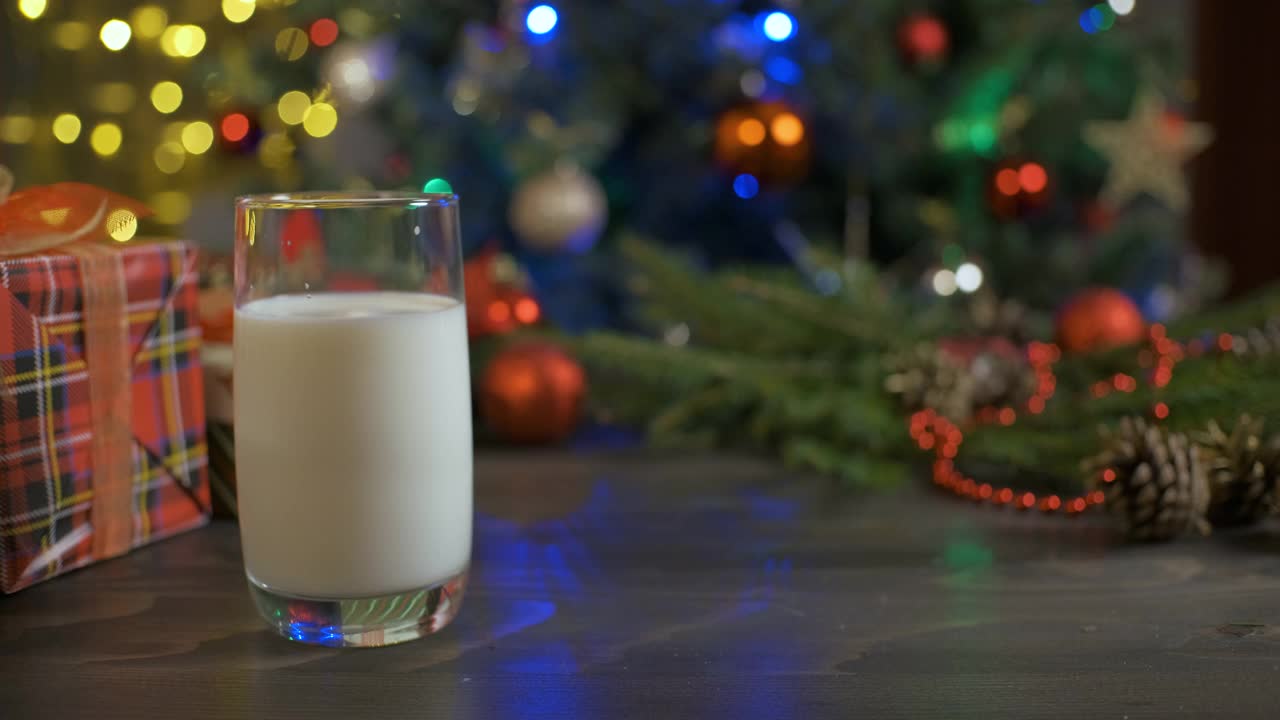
{"type": "Point", "coordinates": [952, 256]}
{"type": "Point", "coordinates": [437, 185]}
{"type": "Point", "coordinates": [982, 137]}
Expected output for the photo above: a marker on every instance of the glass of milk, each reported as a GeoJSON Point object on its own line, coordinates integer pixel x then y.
{"type": "Point", "coordinates": [352, 413]}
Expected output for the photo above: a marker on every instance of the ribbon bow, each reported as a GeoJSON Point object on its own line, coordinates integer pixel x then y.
{"type": "Point", "coordinates": [50, 216]}
{"type": "Point", "coordinates": [56, 217]}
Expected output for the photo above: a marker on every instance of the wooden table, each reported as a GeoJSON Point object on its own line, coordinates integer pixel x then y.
{"type": "Point", "coordinates": [638, 585]}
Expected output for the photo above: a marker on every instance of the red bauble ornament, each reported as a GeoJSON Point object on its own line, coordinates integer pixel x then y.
{"type": "Point", "coordinates": [1099, 318]}
{"type": "Point", "coordinates": [532, 392]}
{"type": "Point", "coordinates": [923, 38]}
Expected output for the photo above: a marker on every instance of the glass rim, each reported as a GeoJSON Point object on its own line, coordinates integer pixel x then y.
{"type": "Point", "coordinates": [345, 199]}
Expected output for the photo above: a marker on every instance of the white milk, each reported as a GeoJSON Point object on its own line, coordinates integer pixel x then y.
{"type": "Point", "coordinates": [353, 442]}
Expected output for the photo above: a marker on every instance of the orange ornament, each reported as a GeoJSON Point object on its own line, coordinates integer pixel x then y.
{"type": "Point", "coordinates": [1099, 318]}
{"type": "Point", "coordinates": [217, 314]}
{"type": "Point", "coordinates": [532, 392]}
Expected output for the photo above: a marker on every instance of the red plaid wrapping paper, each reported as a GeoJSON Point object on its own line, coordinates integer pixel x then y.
{"type": "Point", "coordinates": [46, 474]}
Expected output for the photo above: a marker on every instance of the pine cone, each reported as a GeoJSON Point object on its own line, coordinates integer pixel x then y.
{"type": "Point", "coordinates": [1154, 481]}
{"type": "Point", "coordinates": [1242, 471]}
{"type": "Point", "coordinates": [929, 377]}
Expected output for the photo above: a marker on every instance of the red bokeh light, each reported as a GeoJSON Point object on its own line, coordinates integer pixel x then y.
{"type": "Point", "coordinates": [235, 127]}
{"type": "Point", "coordinates": [1007, 182]}
{"type": "Point", "coordinates": [1032, 177]}
{"type": "Point", "coordinates": [324, 32]}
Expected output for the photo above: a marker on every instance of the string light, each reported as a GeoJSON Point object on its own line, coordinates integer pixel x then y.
{"type": "Point", "coordinates": [320, 120]}
{"type": "Point", "coordinates": [237, 11]}
{"type": "Point", "coordinates": [324, 32]}
{"type": "Point", "coordinates": [778, 26]}
{"type": "Point", "coordinates": [944, 282]}
{"type": "Point", "coordinates": [166, 96]}
{"type": "Point", "coordinates": [787, 129]}
{"type": "Point", "coordinates": [148, 21]}
{"type": "Point", "coordinates": [66, 128]}
{"type": "Point", "coordinates": [276, 150]}
{"type": "Point", "coordinates": [113, 97]}
{"type": "Point", "coordinates": [106, 139]}
{"type": "Point", "coordinates": [17, 129]}
{"type": "Point", "coordinates": [71, 35]}
{"type": "Point", "coordinates": [182, 40]}
{"type": "Point", "coordinates": [32, 9]}
{"type": "Point", "coordinates": [746, 186]}
{"type": "Point", "coordinates": [437, 185]}
{"type": "Point", "coordinates": [751, 132]}
{"type": "Point", "coordinates": [1121, 7]}
{"type": "Point", "coordinates": [968, 277]}
{"type": "Point", "coordinates": [169, 157]}
{"type": "Point", "coordinates": [541, 19]}
{"type": "Point", "coordinates": [115, 34]}
{"type": "Point", "coordinates": [171, 206]}
{"type": "Point", "coordinates": [122, 225]}
{"type": "Point", "coordinates": [752, 83]}
{"type": "Point", "coordinates": [1098, 18]}
{"type": "Point", "coordinates": [291, 44]}
{"type": "Point", "coordinates": [293, 107]}
{"type": "Point", "coordinates": [197, 137]}
{"type": "Point", "coordinates": [1007, 182]}
{"type": "Point", "coordinates": [235, 127]}
{"type": "Point", "coordinates": [527, 311]}
{"type": "Point", "coordinates": [1032, 177]}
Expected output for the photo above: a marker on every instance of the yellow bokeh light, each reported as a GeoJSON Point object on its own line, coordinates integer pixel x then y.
{"type": "Point", "coordinates": [115, 34]}
{"type": "Point", "coordinates": [166, 96]}
{"type": "Point", "coordinates": [182, 40]}
{"type": "Point", "coordinates": [149, 21]}
{"type": "Point", "coordinates": [276, 150]}
{"type": "Point", "coordinates": [751, 132]}
{"type": "Point", "coordinates": [32, 9]}
{"type": "Point", "coordinates": [237, 11]}
{"type": "Point", "coordinates": [291, 43]}
{"type": "Point", "coordinates": [169, 157]}
{"type": "Point", "coordinates": [113, 97]}
{"type": "Point", "coordinates": [320, 120]}
{"type": "Point", "coordinates": [17, 129]}
{"type": "Point", "coordinates": [71, 35]}
{"type": "Point", "coordinates": [106, 138]}
{"type": "Point", "coordinates": [197, 137]}
{"type": "Point", "coordinates": [293, 107]}
{"type": "Point", "coordinates": [787, 129]}
{"type": "Point", "coordinates": [356, 22]}
{"type": "Point", "coordinates": [122, 225]}
{"type": "Point", "coordinates": [66, 128]}
{"type": "Point", "coordinates": [173, 131]}
{"type": "Point", "coordinates": [171, 206]}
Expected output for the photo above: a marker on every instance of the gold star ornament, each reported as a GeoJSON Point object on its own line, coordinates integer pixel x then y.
{"type": "Point", "coordinates": [1146, 151]}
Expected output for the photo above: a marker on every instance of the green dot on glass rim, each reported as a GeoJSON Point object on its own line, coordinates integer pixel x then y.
{"type": "Point", "coordinates": [437, 185]}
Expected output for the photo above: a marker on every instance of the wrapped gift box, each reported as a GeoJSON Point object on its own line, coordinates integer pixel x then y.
{"type": "Point", "coordinates": [58, 509]}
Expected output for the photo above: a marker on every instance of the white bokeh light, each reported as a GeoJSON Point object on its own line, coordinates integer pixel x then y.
{"type": "Point", "coordinates": [968, 277]}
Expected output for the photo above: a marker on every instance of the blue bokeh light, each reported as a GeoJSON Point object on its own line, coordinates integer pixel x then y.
{"type": "Point", "coordinates": [778, 26]}
{"type": "Point", "coordinates": [1087, 24]}
{"type": "Point", "coordinates": [746, 186]}
{"type": "Point", "coordinates": [541, 19]}
{"type": "Point", "coordinates": [784, 70]}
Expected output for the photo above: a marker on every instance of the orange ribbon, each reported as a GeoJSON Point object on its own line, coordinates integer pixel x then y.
{"type": "Point", "coordinates": [61, 217]}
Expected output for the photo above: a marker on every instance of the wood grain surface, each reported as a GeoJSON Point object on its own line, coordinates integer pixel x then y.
{"type": "Point", "coordinates": [649, 586]}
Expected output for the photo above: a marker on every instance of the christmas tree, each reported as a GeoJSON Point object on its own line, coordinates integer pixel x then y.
{"type": "Point", "coordinates": [962, 143]}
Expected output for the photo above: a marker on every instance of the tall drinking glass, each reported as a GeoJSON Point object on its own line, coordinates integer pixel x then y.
{"type": "Point", "coordinates": [352, 414]}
